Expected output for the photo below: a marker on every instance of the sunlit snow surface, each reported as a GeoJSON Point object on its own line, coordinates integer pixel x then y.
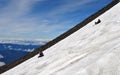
{"type": "Point", "coordinates": [92, 50]}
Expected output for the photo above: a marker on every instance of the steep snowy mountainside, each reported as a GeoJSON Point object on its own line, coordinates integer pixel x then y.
{"type": "Point", "coordinates": [92, 50]}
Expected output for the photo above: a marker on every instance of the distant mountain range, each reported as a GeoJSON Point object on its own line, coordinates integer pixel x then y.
{"type": "Point", "coordinates": [25, 42]}
{"type": "Point", "coordinates": [10, 50]}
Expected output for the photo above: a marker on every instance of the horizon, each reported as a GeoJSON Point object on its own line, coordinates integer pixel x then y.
{"type": "Point", "coordinates": [14, 39]}
{"type": "Point", "coordinates": [43, 19]}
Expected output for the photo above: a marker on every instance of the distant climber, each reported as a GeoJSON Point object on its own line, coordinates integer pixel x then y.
{"type": "Point", "coordinates": [40, 54]}
{"type": "Point", "coordinates": [98, 21]}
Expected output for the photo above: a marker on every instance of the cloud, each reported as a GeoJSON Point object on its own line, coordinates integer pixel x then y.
{"type": "Point", "coordinates": [70, 6]}
{"type": "Point", "coordinates": [1, 63]}
{"type": "Point", "coordinates": [1, 56]}
{"type": "Point", "coordinates": [13, 20]}
{"type": "Point", "coordinates": [16, 8]}
{"type": "Point", "coordinates": [16, 21]}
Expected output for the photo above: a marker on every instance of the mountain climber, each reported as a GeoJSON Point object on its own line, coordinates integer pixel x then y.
{"type": "Point", "coordinates": [98, 21]}
{"type": "Point", "coordinates": [40, 54]}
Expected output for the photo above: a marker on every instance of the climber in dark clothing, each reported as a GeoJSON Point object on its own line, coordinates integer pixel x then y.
{"type": "Point", "coordinates": [40, 54]}
{"type": "Point", "coordinates": [98, 21]}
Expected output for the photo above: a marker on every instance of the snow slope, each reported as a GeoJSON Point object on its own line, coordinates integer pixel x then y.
{"type": "Point", "coordinates": [92, 50]}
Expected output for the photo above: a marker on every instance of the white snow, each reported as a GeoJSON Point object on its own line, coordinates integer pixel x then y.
{"type": "Point", "coordinates": [92, 50]}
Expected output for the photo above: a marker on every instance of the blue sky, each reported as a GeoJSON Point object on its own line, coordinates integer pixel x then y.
{"type": "Point", "coordinates": [43, 19]}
